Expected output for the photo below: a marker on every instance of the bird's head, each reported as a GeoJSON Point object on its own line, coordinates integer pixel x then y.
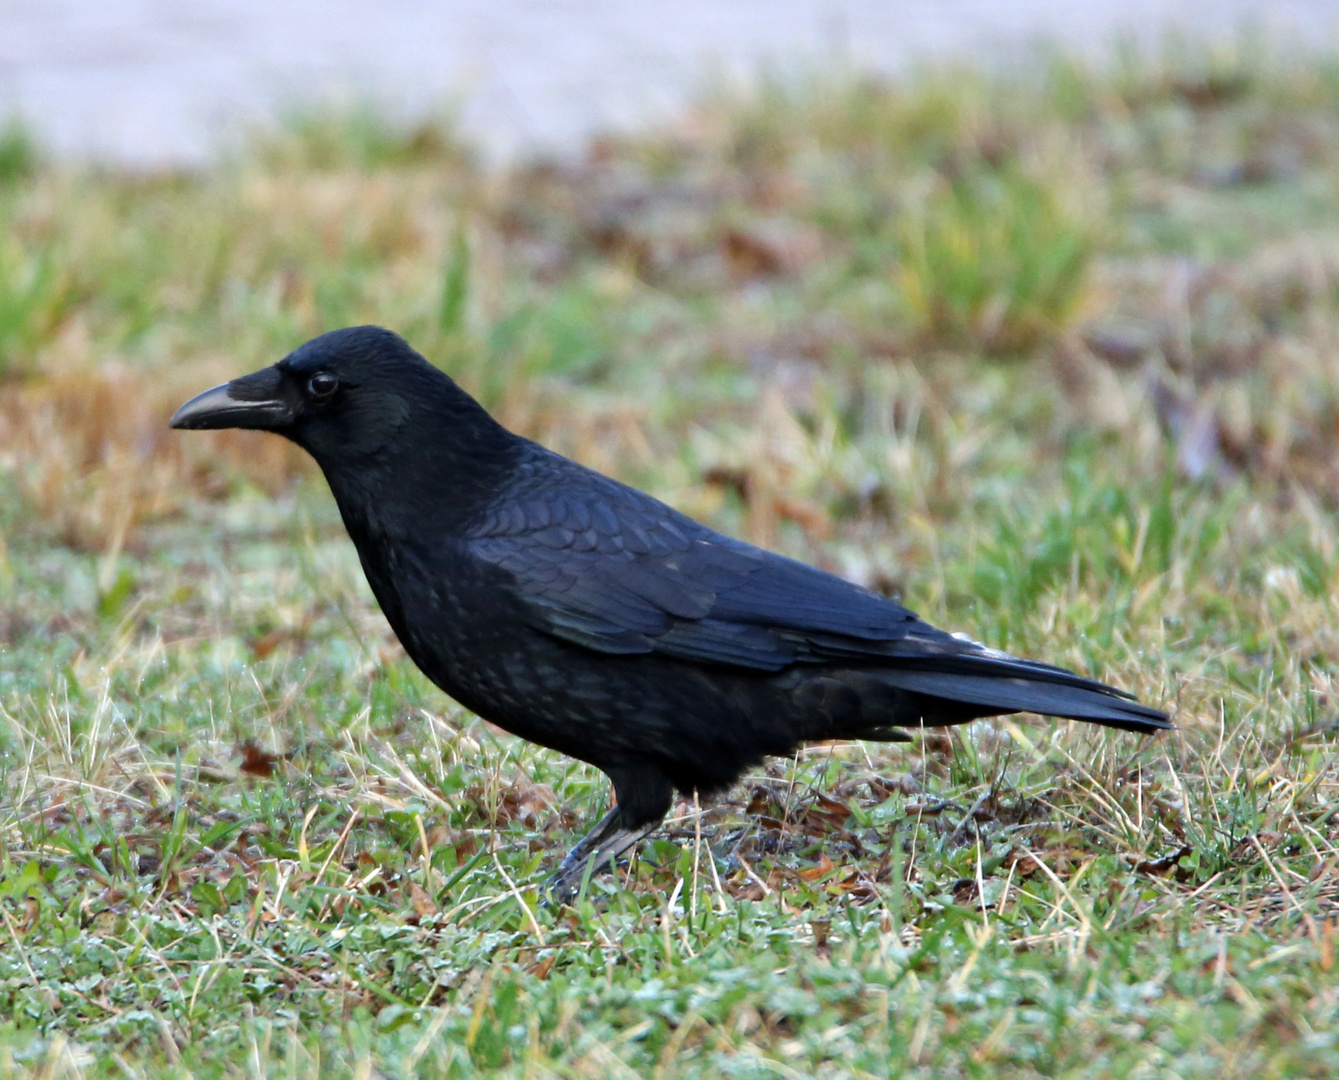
{"type": "Point", "coordinates": [344, 397]}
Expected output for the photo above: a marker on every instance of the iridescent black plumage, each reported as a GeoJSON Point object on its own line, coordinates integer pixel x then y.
{"type": "Point", "coordinates": [588, 617]}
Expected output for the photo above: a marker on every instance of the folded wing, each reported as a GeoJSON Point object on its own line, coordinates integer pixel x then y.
{"type": "Point", "coordinates": [617, 572]}
{"type": "Point", "coordinates": [633, 576]}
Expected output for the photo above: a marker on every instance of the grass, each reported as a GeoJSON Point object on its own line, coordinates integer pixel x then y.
{"type": "Point", "coordinates": [1051, 357]}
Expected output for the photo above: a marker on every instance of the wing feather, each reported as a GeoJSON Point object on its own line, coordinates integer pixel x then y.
{"type": "Point", "coordinates": [618, 572]}
{"type": "Point", "coordinates": [615, 571]}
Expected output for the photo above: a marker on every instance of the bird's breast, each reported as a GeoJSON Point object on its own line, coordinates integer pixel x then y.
{"type": "Point", "coordinates": [453, 622]}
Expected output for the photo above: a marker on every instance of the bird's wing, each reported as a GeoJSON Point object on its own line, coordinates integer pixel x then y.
{"type": "Point", "coordinates": [610, 569]}
{"type": "Point", "coordinates": [618, 572]}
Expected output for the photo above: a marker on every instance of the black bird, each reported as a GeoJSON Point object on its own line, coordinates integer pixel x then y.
{"type": "Point", "coordinates": [590, 618]}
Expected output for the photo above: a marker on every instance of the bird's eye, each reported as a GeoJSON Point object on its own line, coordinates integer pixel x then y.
{"type": "Point", "coordinates": [322, 386]}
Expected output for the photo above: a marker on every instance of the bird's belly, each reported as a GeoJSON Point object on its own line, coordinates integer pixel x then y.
{"type": "Point", "coordinates": [535, 688]}
{"type": "Point", "coordinates": [701, 726]}
{"type": "Point", "coordinates": [601, 708]}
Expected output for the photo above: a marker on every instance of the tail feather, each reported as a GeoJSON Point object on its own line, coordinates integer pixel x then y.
{"type": "Point", "coordinates": [942, 681]}
{"type": "Point", "coordinates": [995, 695]}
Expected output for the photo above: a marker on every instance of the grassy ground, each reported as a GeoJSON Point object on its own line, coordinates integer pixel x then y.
{"type": "Point", "coordinates": [1051, 357]}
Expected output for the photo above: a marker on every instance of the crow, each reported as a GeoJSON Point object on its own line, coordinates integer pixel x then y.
{"type": "Point", "coordinates": [588, 617]}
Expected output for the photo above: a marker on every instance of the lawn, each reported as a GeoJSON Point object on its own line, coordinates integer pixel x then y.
{"type": "Point", "coordinates": [1051, 356]}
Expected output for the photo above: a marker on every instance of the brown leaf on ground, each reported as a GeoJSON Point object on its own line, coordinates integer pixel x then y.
{"type": "Point", "coordinates": [267, 643]}
{"type": "Point", "coordinates": [808, 515]}
{"type": "Point", "coordinates": [1060, 859]}
{"type": "Point", "coordinates": [751, 255]}
{"type": "Point", "coordinates": [256, 762]}
{"type": "Point", "coordinates": [1023, 863]}
{"type": "Point", "coordinates": [823, 869]}
{"type": "Point", "coordinates": [823, 815]}
{"type": "Point", "coordinates": [927, 807]}
{"type": "Point", "coordinates": [768, 249]}
{"type": "Point", "coordinates": [761, 801]}
{"type": "Point", "coordinates": [525, 802]}
{"type": "Point", "coordinates": [882, 787]}
{"type": "Point", "coordinates": [438, 834]}
{"type": "Point", "coordinates": [422, 903]}
{"type": "Point", "coordinates": [856, 885]}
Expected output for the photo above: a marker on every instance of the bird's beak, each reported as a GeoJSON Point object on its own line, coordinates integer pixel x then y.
{"type": "Point", "coordinates": [253, 401]}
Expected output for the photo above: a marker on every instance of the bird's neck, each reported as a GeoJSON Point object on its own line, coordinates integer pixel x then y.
{"type": "Point", "coordinates": [429, 482]}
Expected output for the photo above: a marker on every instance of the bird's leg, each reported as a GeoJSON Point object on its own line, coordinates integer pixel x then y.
{"type": "Point", "coordinates": [644, 797]}
{"type": "Point", "coordinates": [603, 844]}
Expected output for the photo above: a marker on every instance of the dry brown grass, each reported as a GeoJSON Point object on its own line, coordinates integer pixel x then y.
{"type": "Point", "coordinates": [95, 460]}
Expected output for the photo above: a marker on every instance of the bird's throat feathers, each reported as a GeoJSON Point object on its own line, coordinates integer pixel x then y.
{"type": "Point", "coordinates": [444, 458]}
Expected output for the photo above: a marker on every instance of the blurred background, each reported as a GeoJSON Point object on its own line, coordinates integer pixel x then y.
{"type": "Point", "coordinates": [151, 82]}
{"type": "Point", "coordinates": [987, 305]}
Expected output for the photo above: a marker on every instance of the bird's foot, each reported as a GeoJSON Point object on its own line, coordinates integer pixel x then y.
{"type": "Point", "coordinates": [600, 847]}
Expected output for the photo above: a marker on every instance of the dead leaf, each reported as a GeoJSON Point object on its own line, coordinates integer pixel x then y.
{"type": "Point", "coordinates": [835, 807]}
{"type": "Point", "coordinates": [750, 255]}
{"type": "Point", "coordinates": [921, 808]}
{"type": "Point", "coordinates": [262, 646]}
{"type": "Point", "coordinates": [856, 885]}
{"type": "Point", "coordinates": [938, 744]}
{"type": "Point", "coordinates": [823, 869]}
{"type": "Point", "coordinates": [256, 762]}
{"type": "Point", "coordinates": [1023, 863]}
{"type": "Point", "coordinates": [761, 799]}
{"type": "Point", "coordinates": [524, 802]}
{"type": "Point", "coordinates": [422, 903]}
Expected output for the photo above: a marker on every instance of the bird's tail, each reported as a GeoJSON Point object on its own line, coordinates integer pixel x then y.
{"type": "Point", "coordinates": [938, 691]}
{"type": "Point", "coordinates": [993, 695]}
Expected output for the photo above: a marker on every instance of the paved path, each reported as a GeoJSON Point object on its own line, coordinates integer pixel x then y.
{"type": "Point", "coordinates": [156, 81]}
